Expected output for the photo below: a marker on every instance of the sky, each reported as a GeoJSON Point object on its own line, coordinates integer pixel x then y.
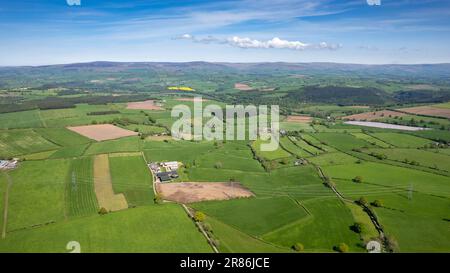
{"type": "Point", "coordinates": [41, 32]}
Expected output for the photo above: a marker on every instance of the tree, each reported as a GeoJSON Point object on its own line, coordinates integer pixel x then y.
{"type": "Point", "coordinates": [103, 211]}
{"type": "Point", "coordinates": [342, 247]}
{"type": "Point", "coordinates": [362, 200]}
{"type": "Point", "coordinates": [158, 199]}
{"type": "Point", "coordinates": [284, 161]}
{"type": "Point", "coordinates": [199, 216]}
{"type": "Point", "coordinates": [298, 247]}
{"type": "Point", "coordinates": [357, 179]}
{"type": "Point", "coordinates": [357, 227]}
{"type": "Point", "coordinates": [391, 243]}
{"type": "Point", "coordinates": [218, 165]}
{"type": "Point", "coordinates": [377, 203]}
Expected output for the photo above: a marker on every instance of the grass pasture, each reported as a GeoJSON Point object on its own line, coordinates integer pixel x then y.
{"type": "Point", "coordinates": [269, 155]}
{"type": "Point", "coordinates": [70, 151]}
{"type": "Point", "coordinates": [184, 151]}
{"type": "Point", "coordinates": [128, 144]}
{"type": "Point", "coordinates": [388, 177]}
{"type": "Point", "coordinates": [254, 216]}
{"type": "Point", "coordinates": [402, 140]}
{"type": "Point", "coordinates": [131, 176]}
{"type": "Point", "coordinates": [334, 158]}
{"type": "Point", "coordinates": [21, 142]}
{"type": "Point", "coordinates": [296, 126]}
{"type": "Point", "coordinates": [311, 150]}
{"type": "Point", "coordinates": [19, 120]}
{"type": "Point", "coordinates": [289, 146]}
{"type": "Point", "coordinates": [37, 194]}
{"type": "Point", "coordinates": [144, 229]}
{"type": "Point", "coordinates": [327, 226]}
{"type": "Point", "coordinates": [80, 195]}
{"type": "Point", "coordinates": [425, 158]}
{"type": "Point", "coordinates": [371, 139]}
{"type": "Point", "coordinates": [234, 241]}
{"type": "Point", "coordinates": [419, 224]}
{"type": "Point", "coordinates": [342, 141]}
{"type": "Point", "coordinates": [62, 136]}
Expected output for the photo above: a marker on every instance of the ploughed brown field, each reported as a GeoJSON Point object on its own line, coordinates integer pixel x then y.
{"type": "Point", "coordinates": [242, 87]}
{"type": "Point", "coordinates": [190, 192]}
{"type": "Point", "coordinates": [144, 105]}
{"type": "Point", "coordinates": [102, 132]}
{"type": "Point", "coordinates": [369, 116]}
{"type": "Point", "coordinates": [299, 119]}
{"type": "Point", "coordinates": [191, 99]}
{"type": "Point", "coordinates": [427, 111]}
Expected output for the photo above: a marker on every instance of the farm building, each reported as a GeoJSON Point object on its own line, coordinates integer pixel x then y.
{"type": "Point", "coordinates": [172, 165]}
{"type": "Point", "coordinates": [8, 164]}
{"type": "Point", "coordinates": [154, 167]}
{"type": "Point", "coordinates": [167, 176]}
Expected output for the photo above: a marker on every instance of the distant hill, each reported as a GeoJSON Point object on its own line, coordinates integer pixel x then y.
{"type": "Point", "coordinates": [422, 70]}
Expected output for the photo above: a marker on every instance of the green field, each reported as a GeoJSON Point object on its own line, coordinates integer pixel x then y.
{"type": "Point", "coordinates": [402, 140]}
{"type": "Point", "coordinates": [289, 146]}
{"type": "Point", "coordinates": [419, 224]}
{"type": "Point", "coordinates": [70, 151]}
{"type": "Point", "coordinates": [311, 150]}
{"type": "Point", "coordinates": [131, 176]}
{"type": "Point", "coordinates": [146, 129]}
{"type": "Point", "coordinates": [145, 229]}
{"type": "Point", "coordinates": [62, 136]}
{"type": "Point", "coordinates": [296, 126]}
{"type": "Point", "coordinates": [234, 241]}
{"type": "Point", "coordinates": [25, 119]}
{"type": "Point", "coordinates": [21, 142]}
{"type": "Point", "coordinates": [80, 195]}
{"type": "Point", "coordinates": [254, 216]}
{"type": "Point", "coordinates": [425, 158]}
{"type": "Point", "coordinates": [3, 185]}
{"type": "Point", "coordinates": [37, 195]}
{"type": "Point", "coordinates": [269, 155]}
{"type": "Point", "coordinates": [326, 227]}
{"type": "Point", "coordinates": [333, 158]}
{"type": "Point", "coordinates": [371, 139]}
{"type": "Point", "coordinates": [390, 177]}
{"type": "Point", "coordinates": [127, 144]}
{"type": "Point", "coordinates": [342, 141]}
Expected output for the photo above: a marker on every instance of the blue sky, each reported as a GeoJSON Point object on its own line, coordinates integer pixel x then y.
{"type": "Point", "coordinates": [37, 32]}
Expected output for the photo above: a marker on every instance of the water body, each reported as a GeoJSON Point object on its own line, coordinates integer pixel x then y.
{"type": "Point", "coordinates": [386, 125]}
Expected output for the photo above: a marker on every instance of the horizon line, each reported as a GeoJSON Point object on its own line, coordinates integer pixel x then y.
{"type": "Point", "coordinates": [218, 62]}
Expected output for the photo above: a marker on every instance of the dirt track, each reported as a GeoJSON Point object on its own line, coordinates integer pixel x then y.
{"type": "Point", "coordinates": [190, 192]}
{"type": "Point", "coordinates": [102, 131]}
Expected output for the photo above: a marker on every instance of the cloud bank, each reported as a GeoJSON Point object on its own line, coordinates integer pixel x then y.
{"type": "Point", "coordinates": [245, 42]}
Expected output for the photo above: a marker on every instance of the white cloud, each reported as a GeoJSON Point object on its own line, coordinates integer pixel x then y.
{"type": "Point", "coordinates": [374, 2]}
{"type": "Point", "coordinates": [245, 42]}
